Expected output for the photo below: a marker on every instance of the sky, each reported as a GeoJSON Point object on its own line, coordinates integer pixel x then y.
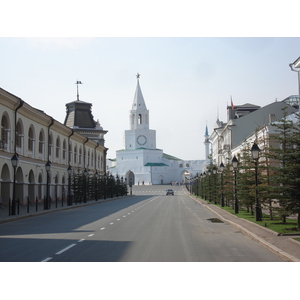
{"type": "Point", "coordinates": [187, 80]}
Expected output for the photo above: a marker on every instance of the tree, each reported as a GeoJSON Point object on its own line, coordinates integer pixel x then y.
{"type": "Point", "coordinates": [283, 183]}
{"type": "Point", "coordinates": [246, 183]}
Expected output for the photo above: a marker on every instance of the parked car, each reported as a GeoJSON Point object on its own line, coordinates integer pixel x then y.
{"type": "Point", "coordinates": [170, 192]}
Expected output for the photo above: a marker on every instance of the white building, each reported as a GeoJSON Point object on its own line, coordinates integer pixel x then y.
{"type": "Point", "coordinates": [243, 123]}
{"type": "Point", "coordinates": [141, 162]}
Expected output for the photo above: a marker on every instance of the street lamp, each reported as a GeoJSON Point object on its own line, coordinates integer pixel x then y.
{"type": "Point", "coordinates": [96, 185]}
{"type": "Point", "coordinates": [295, 66]}
{"type": "Point", "coordinates": [255, 155]}
{"type": "Point", "coordinates": [204, 185]}
{"type": "Point", "coordinates": [14, 163]}
{"type": "Point", "coordinates": [85, 173]}
{"type": "Point", "coordinates": [104, 178]}
{"type": "Point", "coordinates": [209, 184]}
{"type": "Point", "coordinates": [222, 167]}
{"type": "Point", "coordinates": [215, 182]}
{"type": "Point", "coordinates": [47, 203]}
{"type": "Point", "coordinates": [235, 165]}
{"type": "Point", "coordinates": [69, 185]}
{"type": "Point", "coordinates": [130, 186]}
{"type": "Point", "coordinates": [117, 185]}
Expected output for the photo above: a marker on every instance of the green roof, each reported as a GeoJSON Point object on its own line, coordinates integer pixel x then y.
{"type": "Point", "coordinates": [155, 165]}
{"type": "Point", "coordinates": [167, 156]}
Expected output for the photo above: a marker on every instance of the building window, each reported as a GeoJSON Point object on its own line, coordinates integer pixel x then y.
{"type": "Point", "coordinates": [64, 149]}
{"type": "Point", "coordinates": [30, 139]}
{"type": "Point", "coordinates": [19, 135]}
{"type": "Point", "coordinates": [5, 130]}
{"type": "Point", "coordinates": [57, 147]}
{"type": "Point", "coordinates": [70, 153]}
{"type": "Point", "coordinates": [80, 156]}
{"type": "Point", "coordinates": [75, 155]}
{"type": "Point", "coordinates": [41, 142]}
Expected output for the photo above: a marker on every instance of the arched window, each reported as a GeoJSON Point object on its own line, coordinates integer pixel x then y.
{"type": "Point", "coordinates": [140, 119]}
{"type": "Point", "coordinates": [57, 147]}
{"type": "Point", "coordinates": [41, 142]}
{"type": "Point", "coordinates": [70, 153]}
{"type": "Point", "coordinates": [88, 158]}
{"type": "Point", "coordinates": [50, 143]}
{"type": "Point", "coordinates": [5, 132]}
{"type": "Point", "coordinates": [31, 140]}
{"type": "Point", "coordinates": [75, 154]}
{"type": "Point", "coordinates": [64, 149]}
{"type": "Point", "coordinates": [19, 137]}
{"type": "Point", "coordinates": [80, 156]}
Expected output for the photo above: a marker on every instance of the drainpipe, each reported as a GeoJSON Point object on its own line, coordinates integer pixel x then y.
{"type": "Point", "coordinates": [95, 155]}
{"type": "Point", "coordinates": [69, 158]}
{"type": "Point", "coordinates": [19, 106]}
{"type": "Point", "coordinates": [52, 122]}
{"type": "Point", "coordinates": [84, 152]}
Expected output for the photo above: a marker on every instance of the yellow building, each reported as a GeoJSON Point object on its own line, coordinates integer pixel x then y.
{"type": "Point", "coordinates": [37, 139]}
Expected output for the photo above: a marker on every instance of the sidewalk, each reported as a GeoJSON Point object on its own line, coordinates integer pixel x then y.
{"type": "Point", "coordinates": [283, 246]}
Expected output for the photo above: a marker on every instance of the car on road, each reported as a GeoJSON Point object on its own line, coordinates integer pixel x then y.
{"type": "Point", "coordinates": [170, 192]}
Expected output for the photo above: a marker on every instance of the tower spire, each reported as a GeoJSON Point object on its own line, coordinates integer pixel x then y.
{"type": "Point", "coordinates": [78, 82]}
{"type": "Point", "coordinates": [206, 142]}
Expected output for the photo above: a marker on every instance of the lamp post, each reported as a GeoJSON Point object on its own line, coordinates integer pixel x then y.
{"type": "Point", "coordinates": [96, 185]}
{"type": "Point", "coordinates": [215, 182]}
{"type": "Point", "coordinates": [255, 156]}
{"type": "Point", "coordinates": [69, 186]}
{"type": "Point", "coordinates": [295, 66]}
{"type": "Point", "coordinates": [47, 167]}
{"type": "Point", "coordinates": [204, 185]}
{"type": "Point", "coordinates": [85, 173]}
{"type": "Point", "coordinates": [209, 185]}
{"type": "Point", "coordinates": [130, 186]}
{"type": "Point", "coordinates": [235, 165]}
{"type": "Point", "coordinates": [111, 180]}
{"type": "Point", "coordinates": [117, 185]}
{"type": "Point", "coordinates": [201, 185]}
{"type": "Point", "coordinates": [222, 167]}
{"type": "Point", "coordinates": [14, 163]}
{"type": "Point", "coordinates": [104, 191]}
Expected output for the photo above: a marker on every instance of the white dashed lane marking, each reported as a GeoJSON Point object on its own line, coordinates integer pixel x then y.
{"type": "Point", "coordinates": [47, 259]}
{"type": "Point", "coordinates": [65, 249]}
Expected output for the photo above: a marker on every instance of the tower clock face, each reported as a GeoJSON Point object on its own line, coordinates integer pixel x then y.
{"type": "Point", "coordinates": [141, 140]}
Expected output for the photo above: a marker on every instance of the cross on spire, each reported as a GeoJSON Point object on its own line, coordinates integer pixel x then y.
{"type": "Point", "coordinates": [138, 76]}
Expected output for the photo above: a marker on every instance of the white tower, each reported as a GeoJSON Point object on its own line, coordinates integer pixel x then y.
{"type": "Point", "coordinates": [139, 135]}
{"type": "Point", "coordinates": [206, 143]}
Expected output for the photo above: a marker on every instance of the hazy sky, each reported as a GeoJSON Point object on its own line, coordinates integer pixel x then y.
{"type": "Point", "coordinates": [186, 81]}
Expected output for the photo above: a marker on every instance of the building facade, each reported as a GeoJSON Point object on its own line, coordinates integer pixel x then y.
{"type": "Point", "coordinates": [244, 122]}
{"type": "Point", "coordinates": [37, 139]}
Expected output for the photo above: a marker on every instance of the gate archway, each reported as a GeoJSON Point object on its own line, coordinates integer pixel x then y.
{"type": "Point", "coordinates": [130, 177]}
{"type": "Point", "coordinates": [5, 185]}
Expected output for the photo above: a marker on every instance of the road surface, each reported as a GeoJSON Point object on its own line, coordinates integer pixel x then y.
{"type": "Point", "coordinates": [146, 227]}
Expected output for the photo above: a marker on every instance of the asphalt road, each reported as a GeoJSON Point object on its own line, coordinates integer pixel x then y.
{"type": "Point", "coordinates": [147, 227]}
